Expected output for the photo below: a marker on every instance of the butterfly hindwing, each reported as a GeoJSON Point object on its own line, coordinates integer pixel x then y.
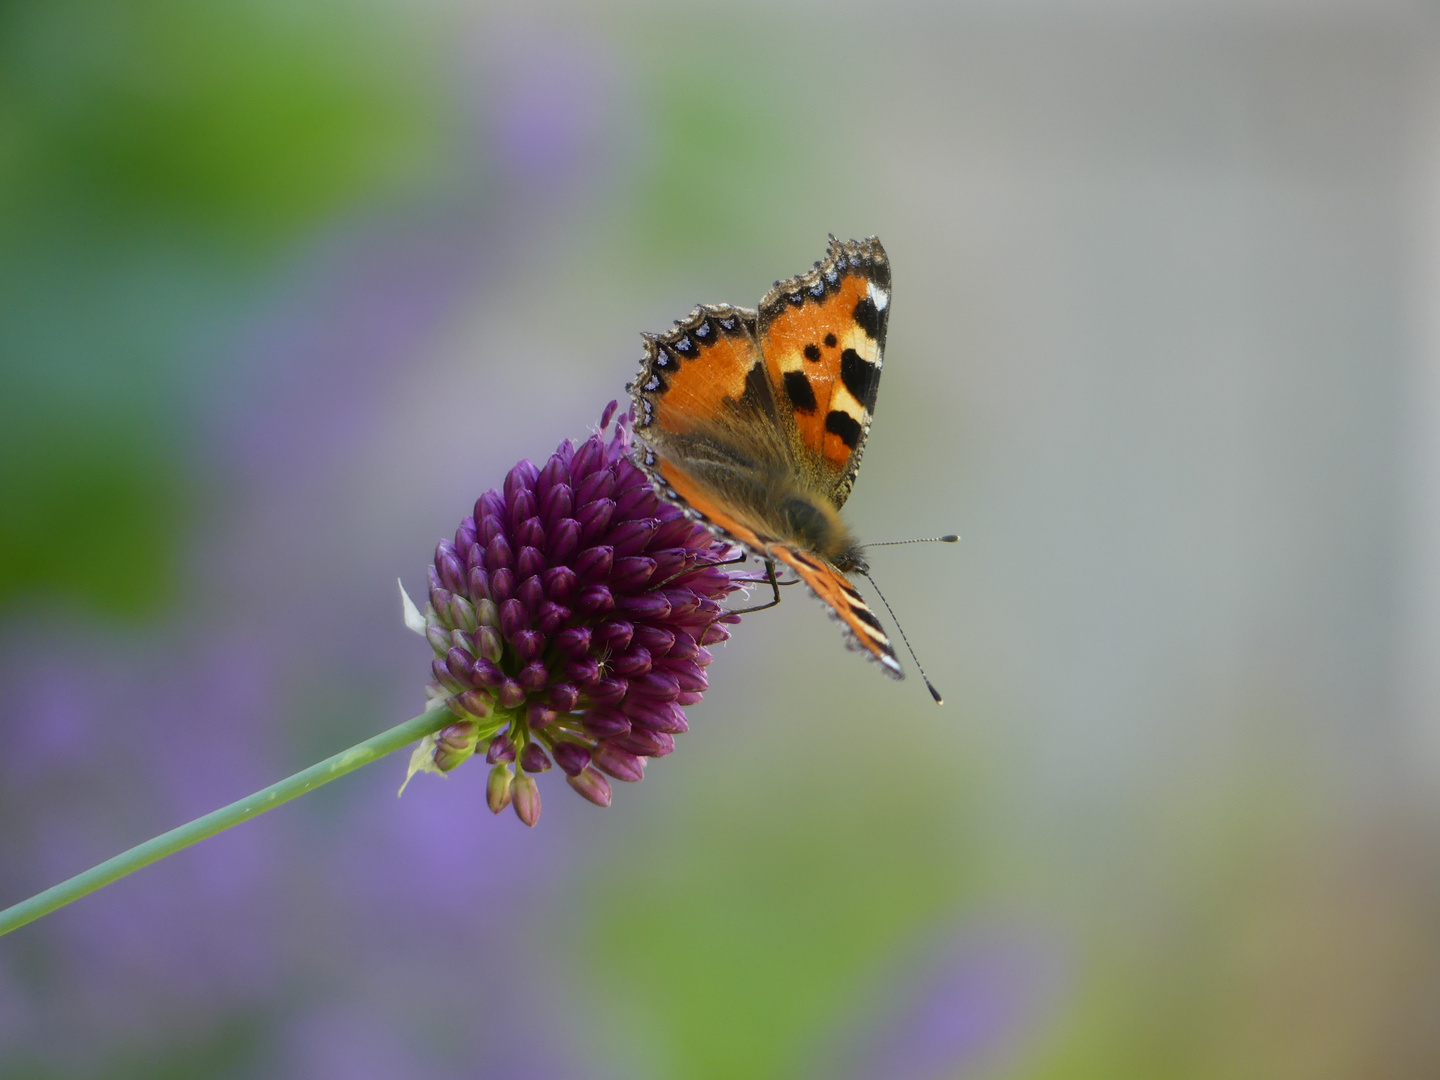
{"type": "Point", "coordinates": [822, 334]}
{"type": "Point", "coordinates": [830, 585]}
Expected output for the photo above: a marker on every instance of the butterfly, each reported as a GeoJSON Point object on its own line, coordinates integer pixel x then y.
{"type": "Point", "coordinates": [755, 422]}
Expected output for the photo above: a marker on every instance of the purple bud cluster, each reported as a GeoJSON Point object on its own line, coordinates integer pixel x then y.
{"type": "Point", "coordinates": [570, 619]}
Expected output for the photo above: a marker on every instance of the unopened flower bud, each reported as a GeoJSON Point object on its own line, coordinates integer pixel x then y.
{"type": "Point", "coordinates": [502, 748]}
{"type": "Point", "coordinates": [538, 717]}
{"type": "Point", "coordinates": [510, 694]}
{"type": "Point", "coordinates": [488, 644]}
{"type": "Point", "coordinates": [563, 697]}
{"type": "Point", "coordinates": [464, 613]}
{"type": "Point", "coordinates": [476, 703]}
{"type": "Point", "coordinates": [459, 662]}
{"type": "Point", "coordinates": [534, 676]}
{"type": "Point", "coordinates": [527, 798]}
{"type": "Point", "coordinates": [592, 785]}
{"type": "Point", "coordinates": [444, 678]}
{"type": "Point", "coordinates": [565, 540]}
{"type": "Point", "coordinates": [571, 757]}
{"type": "Point", "coordinates": [497, 788]}
{"type": "Point", "coordinates": [621, 764]}
{"type": "Point", "coordinates": [479, 582]}
{"type": "Point", "coordinates": [439, 639]}
{"type": "Point", "coordinates": [455, 744]}
{"type": "Point", "coordinates": [487, 613]}
{"type": "Point", "coordinates": [488, 673]}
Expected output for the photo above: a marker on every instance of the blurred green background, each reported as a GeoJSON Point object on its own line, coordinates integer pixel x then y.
{"type": "Point", "coordinates": [284, 287]}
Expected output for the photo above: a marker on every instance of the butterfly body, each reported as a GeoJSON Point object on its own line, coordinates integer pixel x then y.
{"type": "Point", "coordinates": [754, 421]}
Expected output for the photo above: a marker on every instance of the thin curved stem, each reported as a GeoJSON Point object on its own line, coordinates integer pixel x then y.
{"type": "Point", "coordinates": [127, 862]}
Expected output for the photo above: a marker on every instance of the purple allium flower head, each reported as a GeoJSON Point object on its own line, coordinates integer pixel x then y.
{"type": "Point", "coordinates": [570, 619]}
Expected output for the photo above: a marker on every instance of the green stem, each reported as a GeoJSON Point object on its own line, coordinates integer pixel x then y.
{"type": "Point", "coordinates": [127, 862]}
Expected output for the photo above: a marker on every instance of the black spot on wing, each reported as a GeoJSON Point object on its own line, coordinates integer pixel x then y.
{"type": "Point", "coordinates": [812, 351]}
{"type": "Point", "coordinates": [858, 375]}
{"type": "Point", "coordinates": [829, 341]}
{"type": "Point", "coordinates": [867, 316]}
{"type": "Point", "coordinates": [800, 392]}
{"type": "Point", "coordinates": [844, 425]}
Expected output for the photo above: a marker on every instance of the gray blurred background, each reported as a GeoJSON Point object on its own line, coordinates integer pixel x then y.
{"type": "Point", "coordinates": [283, 288]}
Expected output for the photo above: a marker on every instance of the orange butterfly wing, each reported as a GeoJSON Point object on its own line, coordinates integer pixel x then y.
{"type": "Point", "coordinates": [823, 337]}
{"type": "Point", "coordinates": [719, 416]}
{"type": "Point", "coordinates": [864, 631]}
{"type": "Point", "coordinates": [689, 373]}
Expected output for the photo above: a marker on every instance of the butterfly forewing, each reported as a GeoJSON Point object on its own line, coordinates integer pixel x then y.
{"type": "Point", "coordinates": [823, 337]}
{"type": "Point", "coordinates": [696, 374]}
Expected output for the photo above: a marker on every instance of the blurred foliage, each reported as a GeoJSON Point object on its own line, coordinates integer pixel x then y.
{"type": "Point", "coordinates": [720, 151]}
{"type": "Point", "coordinates": [251, 119]}
{"type": "Point", "coordinates": [726, 168]}
{"type": "Point", "coordinates": [736, 936]}
{"type": "Point", "coordinates": [156, 155]}
{"type": "Point", "coordinates": [93, 515]}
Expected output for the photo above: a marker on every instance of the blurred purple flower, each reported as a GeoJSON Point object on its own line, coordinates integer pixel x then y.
{"type": "Point", "coordinates": [552, 104]}
{"type": "Point", "coordinates": [131, 751]}
{"type": "Point", "coordinates": [569, 620]}
{"type": "Point", "coordinates": [971, 1002]}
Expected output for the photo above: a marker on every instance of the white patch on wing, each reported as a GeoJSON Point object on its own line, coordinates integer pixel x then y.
{"type": "Point", "coordinates": [879, 297]}
{"type": "Point", "coordinates": [844, 401]}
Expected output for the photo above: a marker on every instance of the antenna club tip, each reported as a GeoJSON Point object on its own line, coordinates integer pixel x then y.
{"type": "Point", "coordinates": [934, 693]}
{"type": "Point", "coordinates": [950, 538]}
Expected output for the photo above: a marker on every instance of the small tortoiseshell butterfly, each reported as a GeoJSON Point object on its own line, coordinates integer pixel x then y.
{"type": "Point", "coordinates": [754, 422]}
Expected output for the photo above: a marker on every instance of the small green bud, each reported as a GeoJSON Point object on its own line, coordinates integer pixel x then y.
{"type": "Point", "coordinates": [464, 613]}
{"type": "Point", "coordinates": [475, 703]}
{"type": "Point", "coordinates": [488, 643]}
{"type": "Point", "coordinates": [487, 614]}
{"type": "Point", "coordinates": [497, 788]}
{"type": "Point", "coordinates": [455, 744]}
{"type": "Point", "coordinates": [439, 639]}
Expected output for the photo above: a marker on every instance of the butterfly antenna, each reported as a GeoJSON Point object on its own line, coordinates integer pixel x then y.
{"type": "Point", "coordinates": [928, 684]}
{"type": "Point", "coordinates": [948, 538]}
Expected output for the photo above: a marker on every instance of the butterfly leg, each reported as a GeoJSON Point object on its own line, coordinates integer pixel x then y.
{"type": "Point", "coordinates": [702, 566]}
{"type": "Point", "coordinates": [774, 584]}
{"type": "Point", "coordinates": [731, 562]}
